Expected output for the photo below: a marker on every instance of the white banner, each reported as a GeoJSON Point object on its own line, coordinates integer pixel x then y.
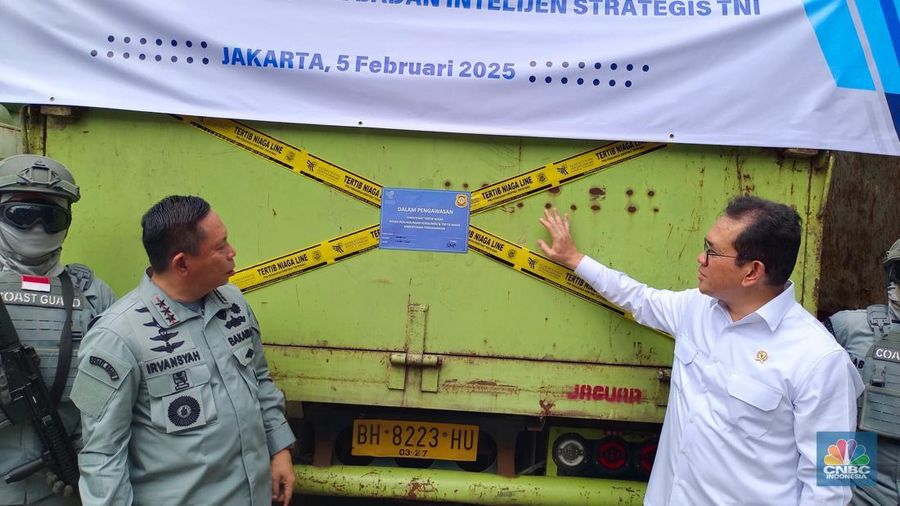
{"type": "Point", "coordinates": [780, 73]}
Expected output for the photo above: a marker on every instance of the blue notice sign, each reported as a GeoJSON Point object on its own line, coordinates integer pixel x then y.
{"type": "Point", "coordinates": [424, 220]}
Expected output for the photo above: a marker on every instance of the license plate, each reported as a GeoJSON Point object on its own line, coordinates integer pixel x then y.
{"type": "Point", "coordinates": [422, 440]}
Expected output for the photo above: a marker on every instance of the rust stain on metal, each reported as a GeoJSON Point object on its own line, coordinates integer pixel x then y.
{"type": "Point", "coordinates": [416, 488]}
{"type": "Point", "coordinates": [651, 193]}
{"type": "Point", "coordinates": [744, 180]}
{"type": "Point", "coordinates": [641, 354]}
{"type": "Point", "coordinates": [655, 209]}
{"type": "Point", "coordinates": [479, 386]}
{"type": "Point", "coordinates": [466, 185]}
{"type": "Point", "coordinates": [596, 191]}
{"type": "Point", "coordinates": [548, 205]}
{"type": "Point", "coordinates": [632, 208]}
{"type": "Point", "coordinates": [519, 204]}
{"type": "Point", "coordinates": [629, 192]}
{"type": "Point", "coordinates": [554, 190]}
{"type": "Point", "coordinates": [546, 407]}
{"type": "Point", "coordinates": [573, 207]}
{"type": "Point", "coordinates": [595, 207]}
{"type": "Point", "coordinates": [447, 184]}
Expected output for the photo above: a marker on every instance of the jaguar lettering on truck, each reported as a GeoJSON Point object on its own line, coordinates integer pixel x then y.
{"type": "Point", "coordinates": [605, 393]}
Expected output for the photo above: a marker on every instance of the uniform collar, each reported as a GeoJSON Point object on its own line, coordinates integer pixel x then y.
{"type": "Point", "coordinates": [772, 312]}
{"type": "Point", "coordinates": [168, 312]}
{"type": "Point", "coordinates": [776, 309]}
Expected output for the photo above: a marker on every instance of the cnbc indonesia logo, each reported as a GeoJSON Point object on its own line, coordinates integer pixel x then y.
{"type": "Point", "coordinates": [846, 460]}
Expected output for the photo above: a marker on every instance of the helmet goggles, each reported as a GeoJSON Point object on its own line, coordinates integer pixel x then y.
{"type": "Point", "coordinates": [25, 215]}
{"type": "Point", "coordinates": [893, 272]}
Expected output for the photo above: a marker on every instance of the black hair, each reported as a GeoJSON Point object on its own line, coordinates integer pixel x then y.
{"type": "Point", "coordinates": [772, 235]}
{"type": "Point", "coordinates": [171, 227]}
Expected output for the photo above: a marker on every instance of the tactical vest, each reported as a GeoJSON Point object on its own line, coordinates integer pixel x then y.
{"type": "Point", "coordinates": [38, 314]}
{"type": "Point", "coordinates": [879, 320]}
{"type": "Point", "coordinates": [881, 374]}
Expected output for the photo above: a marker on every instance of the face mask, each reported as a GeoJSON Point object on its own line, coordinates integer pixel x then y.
{"type": "Point", "coordinates": [894, 303]}
{"type": "Point", "coordinates": [35, 251]}
{"type": "Point", "coordinates": [33, 243]}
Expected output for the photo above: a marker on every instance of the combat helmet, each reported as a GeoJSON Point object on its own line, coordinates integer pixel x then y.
{"type": "Point", "coordinates": [37, 174]}
{"type": "Point", "coordinates": [892, 254]}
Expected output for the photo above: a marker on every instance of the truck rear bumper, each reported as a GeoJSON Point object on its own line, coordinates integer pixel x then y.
{"type": "Point", "coordinates": [461, 486]}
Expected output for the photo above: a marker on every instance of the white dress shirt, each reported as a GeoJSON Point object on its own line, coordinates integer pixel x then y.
{"type": "Point", "coordinates": [747, 397]}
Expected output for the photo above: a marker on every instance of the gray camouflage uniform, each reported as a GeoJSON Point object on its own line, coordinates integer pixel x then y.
{"type": "Point", "coordinates": [177, 404]}
{"type": "Point", "coordinates": [872, 338]}
{"type": "Point", "coordinates": [38, 318]}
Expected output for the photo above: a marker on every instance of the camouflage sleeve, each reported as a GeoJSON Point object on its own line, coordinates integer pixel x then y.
{"type": "Point", "coordinates": [105, 389]}
{"type": "Point", "coordinates": [852, 331]}
{"type": "Point", "coordinates": [97, 292]}
{"type": "Point", "coordinates": [100, 296]}
{"type": "Point", "coordinates": [271, 401]}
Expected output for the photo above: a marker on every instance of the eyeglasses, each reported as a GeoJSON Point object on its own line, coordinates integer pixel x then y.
{"type": "Point", "coordinates": [708, 252]}
{"type": "Point", "coordinates": [24, 215]}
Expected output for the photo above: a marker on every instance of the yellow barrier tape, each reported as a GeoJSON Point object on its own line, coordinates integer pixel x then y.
{"type": "Point", "coordinates": [494, 247]}
{"type": "Point", "coordinates": [295, 159]}
{"type": "Point", "coordinates": [542, 268]}
{"type": "Point", "coordinates": [510, 254]}
{"type": "Point", "coordinates": [526, 261]}
{"type": "Point", "coordinates": [304, 260]}
{"type": "Point", "coordinates": [558, 173]}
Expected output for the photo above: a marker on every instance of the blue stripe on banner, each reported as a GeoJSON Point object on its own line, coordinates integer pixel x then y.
{"type": "Point", "coordinates": [880, 22]}
{"type": "Point", "coordinates": [837, 37]}
{"type": "Point", "coordinates": [893, 100]}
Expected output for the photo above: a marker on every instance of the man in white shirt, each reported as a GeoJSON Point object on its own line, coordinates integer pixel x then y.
{"type": "Point", "coordinates": [755, 377]}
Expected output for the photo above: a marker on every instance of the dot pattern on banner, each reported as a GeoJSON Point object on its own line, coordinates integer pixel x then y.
{"type": "Point", "coordinates": [589, 72]}
{"type": "Point", "coordinates": [153, 49]}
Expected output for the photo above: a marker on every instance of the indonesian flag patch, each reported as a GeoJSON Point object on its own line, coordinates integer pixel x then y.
{"type": "Point", "coordinates": [36, 283]}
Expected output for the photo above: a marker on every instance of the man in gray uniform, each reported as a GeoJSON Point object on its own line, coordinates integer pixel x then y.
{"type": "Point", "coordinates": [177, 403]}
{"type": "Point", "coordinates": [36, 194]}
{"type": "Point", "coordinates": [872, 337]}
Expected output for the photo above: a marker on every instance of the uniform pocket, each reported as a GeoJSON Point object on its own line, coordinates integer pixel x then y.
{"type": "Point", "coordinates": [751, 404]}
{"type": "Point", "coordinates": [685, 353]}
{"type": "Point", "coordinates": [182, 400]}
{"type": "Point", "coordinates": [244, 355]}
{"type": "Point", "coordinates": [99, 376]}
{"type": "Point", "coordinates": [879, 411]}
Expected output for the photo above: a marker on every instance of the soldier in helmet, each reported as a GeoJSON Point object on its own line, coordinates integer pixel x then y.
{"type": "Point", "coordinates": [872, 337]}
{"type": "Point", "coordinates": [40, 296]}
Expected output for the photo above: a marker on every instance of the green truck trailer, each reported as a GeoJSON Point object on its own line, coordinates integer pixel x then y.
{"type": "Point", "coordinates": [491, 377]}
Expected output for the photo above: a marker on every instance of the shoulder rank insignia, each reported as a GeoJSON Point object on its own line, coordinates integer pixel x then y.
{"type": "Point", "coordinates": [165, 310]}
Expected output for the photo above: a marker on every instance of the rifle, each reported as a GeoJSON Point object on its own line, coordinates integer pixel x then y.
{"type": "Point", "coordinates": [24, 398]}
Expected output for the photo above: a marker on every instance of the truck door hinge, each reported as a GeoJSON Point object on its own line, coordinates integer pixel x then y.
{"type": "Point", "coordinates": [662, 393]}
{"type": "Point", "coordinates": [429, 365]}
